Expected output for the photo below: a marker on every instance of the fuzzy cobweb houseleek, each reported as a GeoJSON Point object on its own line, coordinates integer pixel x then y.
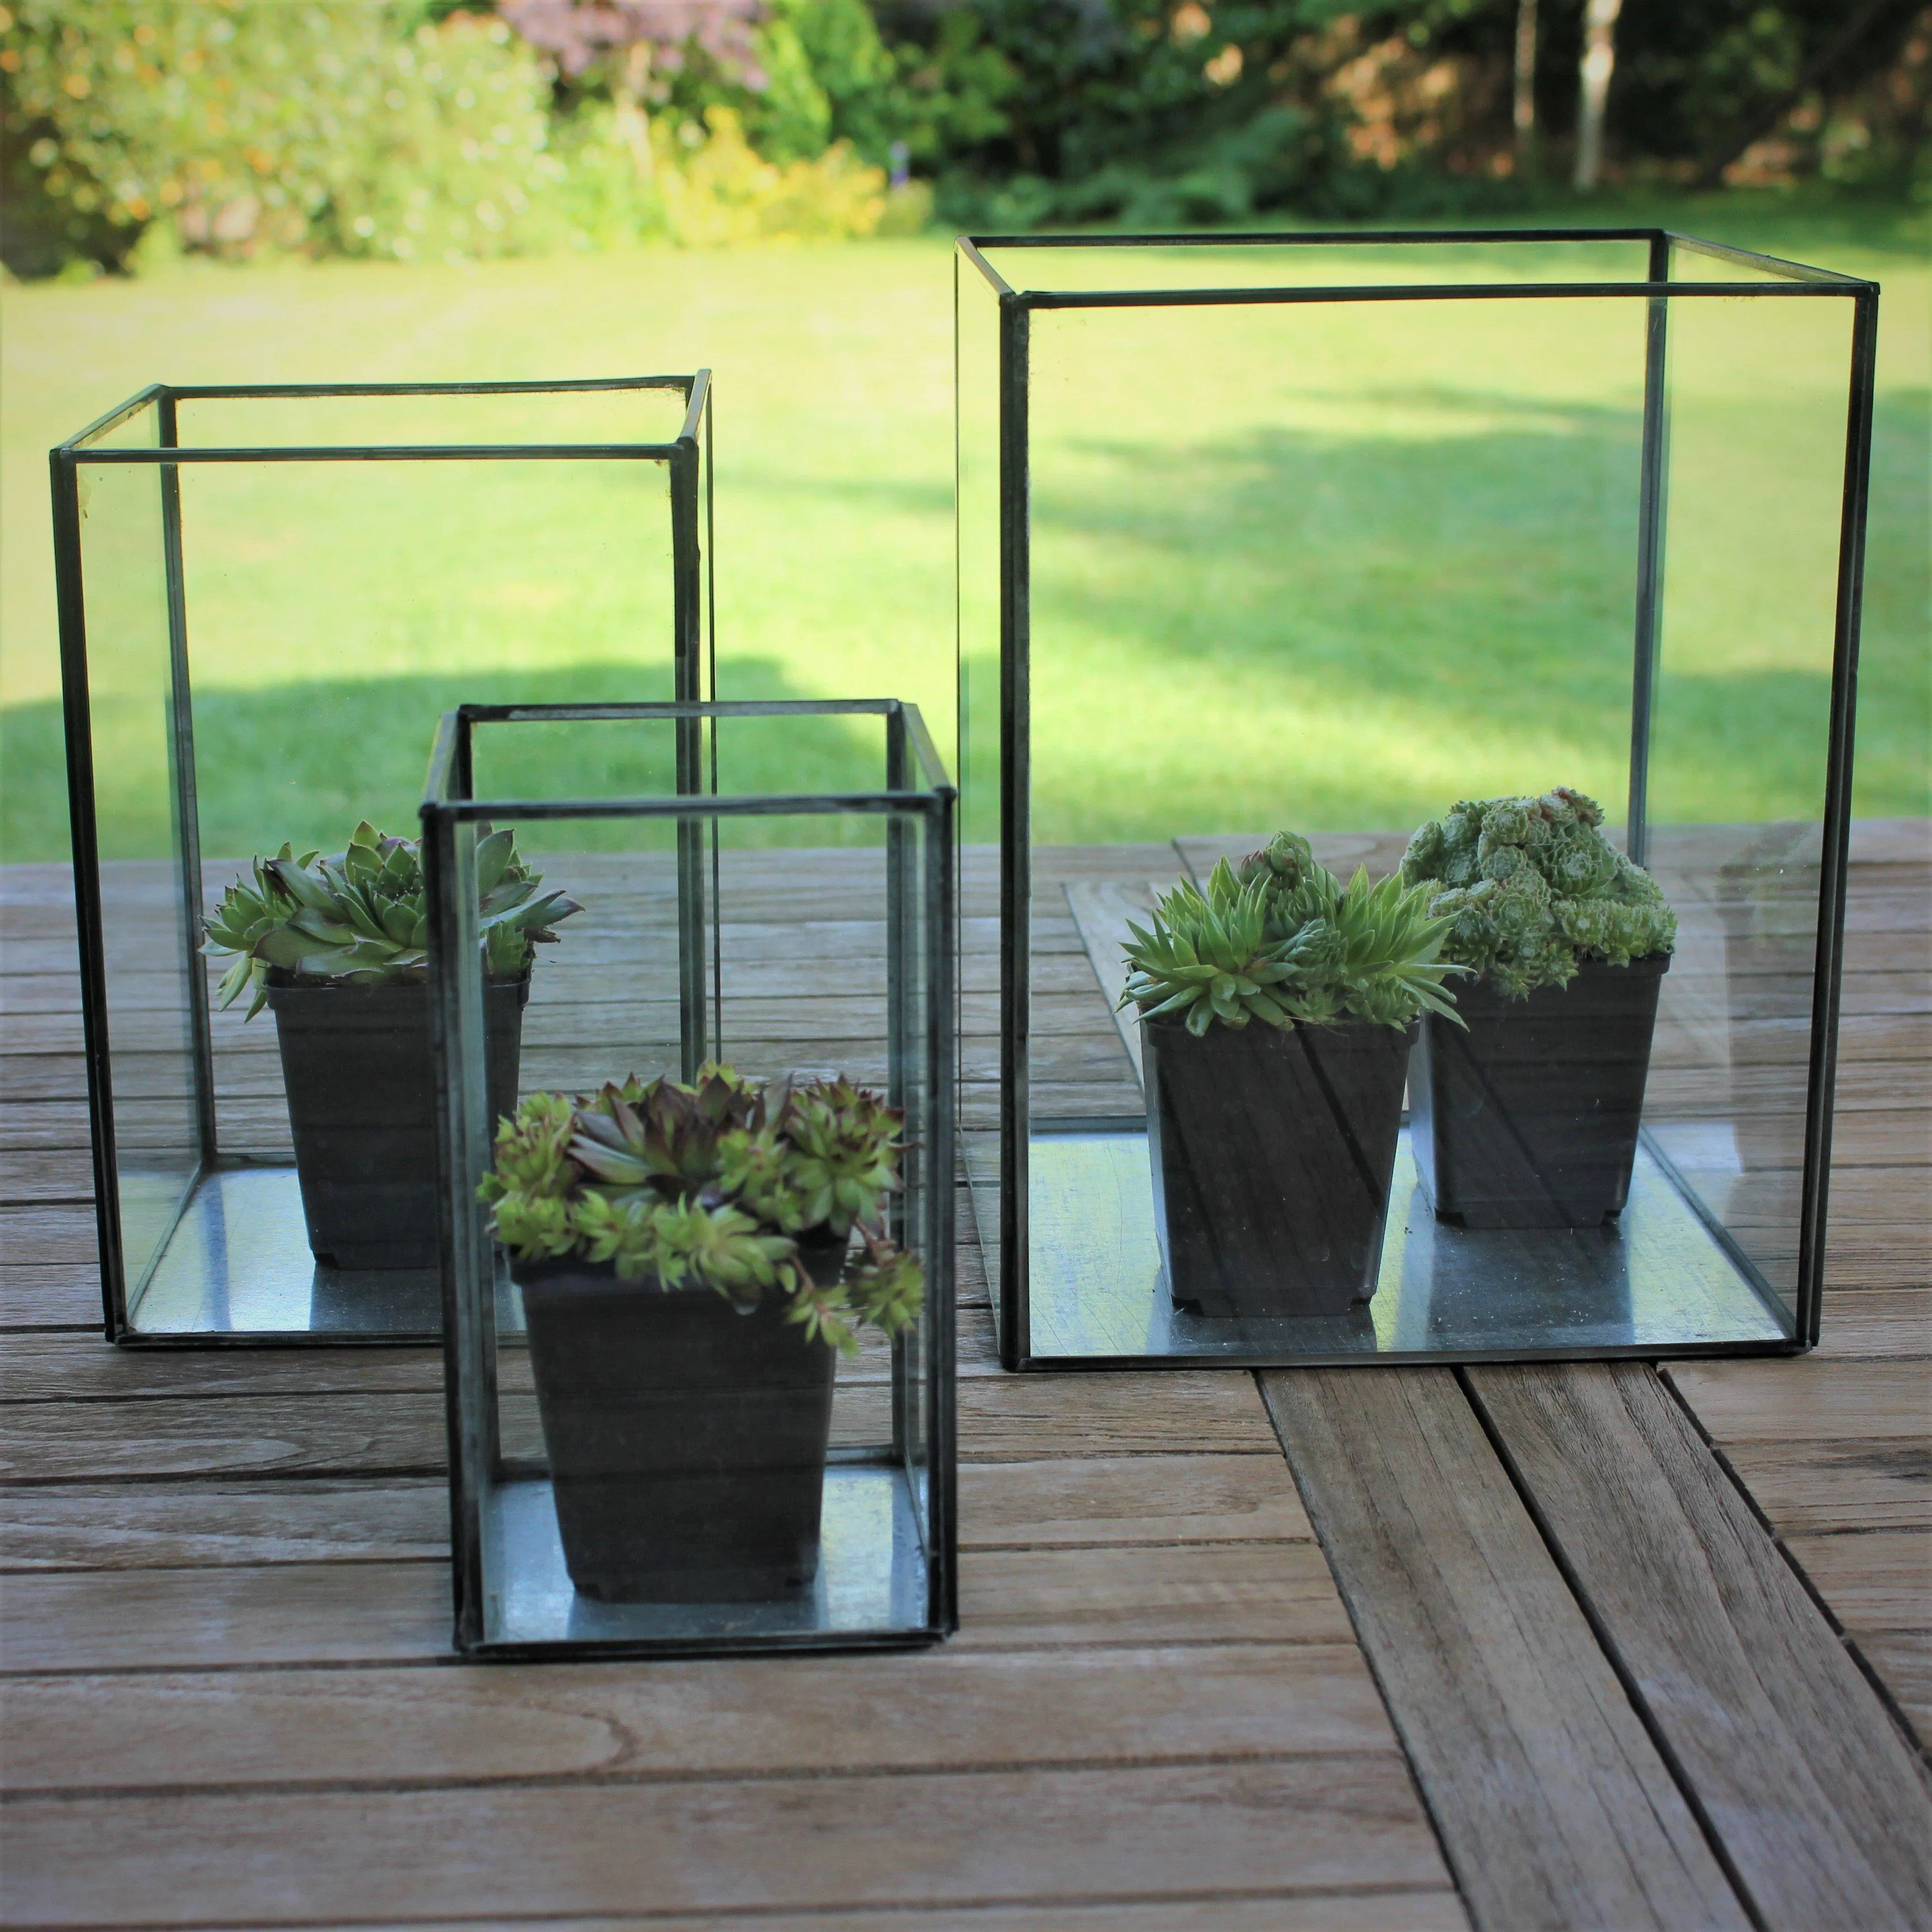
{"type": "Point", "coordinates": [1278, 939]}
{"type": "Point", "coordinates": [1531, 885]}
{"type": "Point", "coordinates": [361, 916]}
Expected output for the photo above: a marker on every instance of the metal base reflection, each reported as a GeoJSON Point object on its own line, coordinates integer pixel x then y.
{"type": "Point", "coordinates": [871, 1585]}
{"type": "Point", "coordinates": [1659, 1282]}
{"type": "Point", "coordinates": [237, 1268]}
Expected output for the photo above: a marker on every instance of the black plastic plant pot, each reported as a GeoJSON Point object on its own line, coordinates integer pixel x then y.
{"type": "Point", "coordinates": [361, 1090]}
{"type": "Point", "coordinates": [1529, 1118]}
{"type": "Point", "coordinates": [687, 1442]}
{"type": "Point", "coordinates": [1273, 1153]}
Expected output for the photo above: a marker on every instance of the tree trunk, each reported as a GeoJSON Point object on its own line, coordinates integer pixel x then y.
{"type": "Point", "coordinates": [1600, 60]}
{"type": "Point", "coordinates": [1524, 105]}
{"type": "Point", "coordinates": [627, 94]}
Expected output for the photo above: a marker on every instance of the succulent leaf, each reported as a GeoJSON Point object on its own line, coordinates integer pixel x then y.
{"type": "Point", "coordinates": [361, 916]}
{"type": "Point", "coordinates": [1529, 885]}
{"type": "Point", "coordinates": [713, 1185]}
{"type": "Point", "coordinates": [1280, 941]}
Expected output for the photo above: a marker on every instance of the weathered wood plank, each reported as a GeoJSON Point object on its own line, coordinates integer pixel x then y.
{"type": "Point", "coordinates": [1821, 1487]}
{"type": "Point", "coordinates": [1146, 1498]}
{"type": "Point", "coordinates": [1385, 1910]}
{"type": "Point", "coordinates": [1017, 1418]}
{"type": "Point", "coordinates": [1001, 1419]}
{"type": "Point", "coordinates": [1876, 1579]}
{"type": "Point", "coordinates": [231, 1436]}
{"type": "Point", "coordinates": [1867, 1324]}
{"type": "Point", "coordinates": [181, 1526]}
{"type": "Point", "coordinates": [1824, 1812]}
{"type": "Point", "coordinates": [1553, 1805]}
{"type": "Point", "coordinates": [953, 1710]}
{"type": "Point", "coordinates": [58, 1295]}
{"type": "Point", "coordinates": [1903, 1659]}
{"type": "Point", "coordinates": [1133, 1833]}
{"type": "Point", "coordinates": [293, 1613]}
{"type": "Point", "coordinates": [1202, 1593]}
{"type": "Point", "coordinates": [1806, 1400]}
{"type": "Point", "coordinates": [1064, 1501]}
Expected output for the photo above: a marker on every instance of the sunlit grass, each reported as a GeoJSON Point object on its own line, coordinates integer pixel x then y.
{"type": "Point", "coordinates": [1336, 582]}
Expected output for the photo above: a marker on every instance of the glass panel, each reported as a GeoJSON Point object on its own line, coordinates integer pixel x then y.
{"type": "Point", "coordinates": [667, 1471]}
{"type": "Point", "coordinates": [1333, 570]}
{"type": "Point", "coordinates": [1757, 402]}
{"type": "Point", "coordinates": [337, 610]}
{"type": "Point", "coordinates": [143, 901]}
{"type": "Point", "coordinates": [1317, 264]}
{"type": "Point", "coordinates": [333, 611]}
{"type": "Point", "coordinates": [528, 416]}
{"type": "Point", "coordinates": [976, 351]}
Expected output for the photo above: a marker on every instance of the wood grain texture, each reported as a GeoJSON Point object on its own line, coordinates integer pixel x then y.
{"type": "Point", "coordinates": [395, 1432]}
{"type": "Point", "coordinates": [1875, 1324]}
{"type": "Point", "coordinates": [1376, 1909]}
{"type": "Point", "coordinates": [1903, 1661]}
{"type": "Point", "coordinates": [1134, 1834]}
{"type": "Point", "coordinates": [1841, 1485]}
{"type": "Point", "coordinates": [1823, 1811]}
{"type": "Point", "coordinates": [165, 1525]}
{"type": "Point", "coordinates": [1062, 1501]}
{"type": "Point", "coordinates": [958, 1710]}
{"type": "Point", "coordinates": [1808, 1400]}
{"type": "Point", "coordinates": [229, 1598]}
{"type": "Point", "coordinates": [1874, 1579]}
{"type": "Point", "coordinates": [1553, 1805]}
{"type": "Point", "coordinates": [373, 1611]}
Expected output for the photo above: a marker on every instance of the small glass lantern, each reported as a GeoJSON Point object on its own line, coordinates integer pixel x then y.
{"type": "Point", "coordinates": [1343, 535]}
{"type": "Point", "coordinates": [267, 596]}
{"type": "Point", "coordinates": [699, 1292]}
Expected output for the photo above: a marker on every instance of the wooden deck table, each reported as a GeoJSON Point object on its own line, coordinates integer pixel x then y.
{"type": "Point", "coordinates": [1377, 1650]}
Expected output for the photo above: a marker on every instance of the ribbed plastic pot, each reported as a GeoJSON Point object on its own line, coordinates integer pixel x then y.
{"type": "Point", "coordinates": [686, 1441]}
{"type": "Point", "coordinates": [357, 1065]}
{"type": "Point", "coordinates": [1529, 1119]}
{"type": "Point", "coordinates": [1272, 1152]}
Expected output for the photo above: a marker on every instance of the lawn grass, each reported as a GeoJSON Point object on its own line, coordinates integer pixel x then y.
{"type": "Point", "coordinates": [1330, 570]}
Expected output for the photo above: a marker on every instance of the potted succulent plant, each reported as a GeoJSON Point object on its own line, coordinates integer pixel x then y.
{"type": "Point", "coordinates": [692, 1260]}
{"type": "Point", "coordinates": [335, 946]}
{"type": "Point", "coordinates": [1277, 1011]}
{"type": "Point", "coordinates": [1528, 1116]}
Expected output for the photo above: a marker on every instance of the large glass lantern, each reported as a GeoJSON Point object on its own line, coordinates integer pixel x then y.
{"type": "Point", "coordinates": [268, 597]}
{"type": "Point", "coordinates": [698, 1283]}
{"type": "Point", "coordinates": [1520, 570]}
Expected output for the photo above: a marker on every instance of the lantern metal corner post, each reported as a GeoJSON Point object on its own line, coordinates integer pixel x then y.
{"type": "Point", "coordinates": [821, 946]}
{"type": "Point", "coordinates": [168, 576]}
{"type": "Point", "coordinates": [1134, 413]}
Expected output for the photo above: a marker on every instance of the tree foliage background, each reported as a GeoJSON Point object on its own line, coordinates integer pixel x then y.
{"type": "Point", "coordinates": [422, 129]}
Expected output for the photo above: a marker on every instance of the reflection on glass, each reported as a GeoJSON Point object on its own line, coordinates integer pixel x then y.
{"type": "Point", "coordinates": [324, 611]}
{"type": "Point", "coordinates": [136, 710]}
{"type": "Point", "coordinates": [1337, 568]}
{"type": "Point", "coordinates": [702, 1273]}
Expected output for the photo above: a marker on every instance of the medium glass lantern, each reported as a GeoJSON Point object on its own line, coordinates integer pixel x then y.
{"type": "Point", "coordinates": [268, 597]}
{"type": "Point", "coordinates": [1519, 568]}
{"type": "Point", "coordinates": [699, 1282]}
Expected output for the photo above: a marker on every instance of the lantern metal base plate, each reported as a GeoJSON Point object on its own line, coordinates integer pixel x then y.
{"type": "Point", "coordinates": [870, 1588]}
{"type": "Point", "coordinates": [1661, 1282]}
{"type": "Point", "coordinates": [237, 1269]}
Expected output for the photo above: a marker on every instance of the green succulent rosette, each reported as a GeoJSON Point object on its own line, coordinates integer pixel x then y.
{"type": "Point", "coordinates": [1279, 939]}
{"type": "Point", "coordinates": [361, 916]}
{"type": "Point", "coordinates": [1531, 886]}
{"type": "Point", "coordinates": [720, 1184]}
